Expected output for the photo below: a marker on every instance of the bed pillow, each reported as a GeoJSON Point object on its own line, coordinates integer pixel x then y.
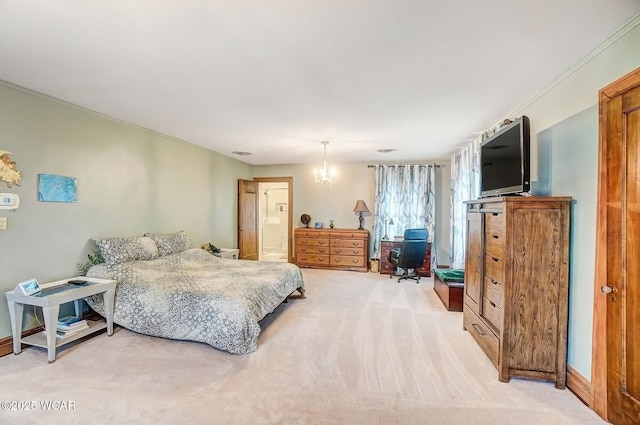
{"type": "Point", "coordinates": [120, 250]}
{"type": "Point", "coordinates": [172, 243]}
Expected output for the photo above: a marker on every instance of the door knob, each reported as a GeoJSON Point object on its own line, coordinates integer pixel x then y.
{"type": "Point", "coordinates": [608, 289]}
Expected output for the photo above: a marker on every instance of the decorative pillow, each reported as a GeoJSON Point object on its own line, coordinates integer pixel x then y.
{"type": "Point", "coordinates": [172, 243]}
{"type": "Point", "coordinates": [120, 250]}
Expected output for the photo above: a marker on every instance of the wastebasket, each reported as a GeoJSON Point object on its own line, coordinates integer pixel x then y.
{"type": "Point", "coordinates": [375, 265]}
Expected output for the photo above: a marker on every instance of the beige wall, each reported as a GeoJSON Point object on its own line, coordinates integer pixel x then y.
{"type": "Point", "coordinates": [354, 181]}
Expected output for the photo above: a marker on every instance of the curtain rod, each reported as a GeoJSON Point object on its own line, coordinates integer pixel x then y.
{"type": "Point", "coordinates": [404, 165]}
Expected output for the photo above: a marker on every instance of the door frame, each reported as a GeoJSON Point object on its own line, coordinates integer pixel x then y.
{"type": "Point", "coordinates": [599, 397]}
{"type": "Point", "coordinates": [289, 181]}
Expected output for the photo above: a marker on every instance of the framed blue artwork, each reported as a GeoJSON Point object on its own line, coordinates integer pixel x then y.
{"type": "Point", "coordinates": [52, 188]}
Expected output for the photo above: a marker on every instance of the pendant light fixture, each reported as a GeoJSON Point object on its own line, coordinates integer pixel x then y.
{"type": "Point", "coordinates": [324, 176]}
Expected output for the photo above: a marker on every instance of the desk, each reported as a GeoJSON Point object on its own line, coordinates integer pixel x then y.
{"type": "Point", "coordinates": [52, 295]}
{"type": "Point", "coordinates": [387, 268]}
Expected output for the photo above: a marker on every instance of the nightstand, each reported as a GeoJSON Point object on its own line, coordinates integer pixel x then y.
{"type": "Point", "coordinates": [50, 298]}
{"type": "Point", "coordinates": [230, 253]}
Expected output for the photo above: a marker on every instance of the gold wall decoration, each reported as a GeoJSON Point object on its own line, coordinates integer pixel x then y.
{"type": "Point", "coordinates": [8, 174]}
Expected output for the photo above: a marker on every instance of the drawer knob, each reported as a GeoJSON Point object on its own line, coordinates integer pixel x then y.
{"type": "Point", "coordinates": [495, 236]}
{"type": "Point", "coordinates": [492, 304]}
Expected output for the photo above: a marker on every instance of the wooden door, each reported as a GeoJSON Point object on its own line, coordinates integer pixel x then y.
{"type": "Point", "coordinates": [247, 220]}
{"type": "Point", "coordinates": [618, 268]}
{"type": "Point", "coordinates": [474, 272]}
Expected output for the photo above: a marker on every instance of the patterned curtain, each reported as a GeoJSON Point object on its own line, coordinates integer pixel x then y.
{"type": "Point", "coordinates": [405, 194]}
{"type": "Point", "coordinates": [465, 186]}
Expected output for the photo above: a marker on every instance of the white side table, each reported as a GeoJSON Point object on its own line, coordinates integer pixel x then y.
{"type": "Point", "coordinates": [49, 298]}
{"type": "Point", "coordinates": [227, 253]}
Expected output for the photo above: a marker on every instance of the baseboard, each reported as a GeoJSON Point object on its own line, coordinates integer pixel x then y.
{"type": "Point", "coordinates": [579, 385]}
{"type": "Point", "coordinates": [6, 343]}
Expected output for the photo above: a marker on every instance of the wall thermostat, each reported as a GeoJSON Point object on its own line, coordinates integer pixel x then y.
{"type": "Point", "coordinates": [9, 201]}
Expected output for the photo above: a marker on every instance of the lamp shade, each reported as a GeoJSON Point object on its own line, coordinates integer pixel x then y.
{"type": "Point", "coordinates": [360, 206]}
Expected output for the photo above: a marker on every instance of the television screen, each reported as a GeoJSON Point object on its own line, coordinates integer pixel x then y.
{"type": "Point", "coordinates": [505, 160]}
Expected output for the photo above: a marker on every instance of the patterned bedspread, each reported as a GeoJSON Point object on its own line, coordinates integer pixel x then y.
{"type": "Point", "coordinates": [193, 295]}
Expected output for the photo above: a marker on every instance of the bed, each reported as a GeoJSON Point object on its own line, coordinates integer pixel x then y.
{"type": "Point", "coordinates": [188, 294]}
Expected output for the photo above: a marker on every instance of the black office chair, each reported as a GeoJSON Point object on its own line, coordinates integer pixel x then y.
{"type": "Point", "coordinates": [411, 255]}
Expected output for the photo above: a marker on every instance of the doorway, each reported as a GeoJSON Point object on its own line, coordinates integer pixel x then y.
{"type": "Point", "coordinates": [273, 229]}
{"type": "Point", "coordinates": [272, 209]}
{"type": "Point", "coordinates": [616, 357]}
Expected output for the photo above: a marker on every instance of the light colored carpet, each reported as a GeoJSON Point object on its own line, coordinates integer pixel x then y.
{"type": "Point", "coordinates": [361, 349]}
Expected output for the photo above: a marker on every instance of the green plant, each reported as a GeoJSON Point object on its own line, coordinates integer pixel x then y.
{"type": "Point", "coordinates": [94, 258]}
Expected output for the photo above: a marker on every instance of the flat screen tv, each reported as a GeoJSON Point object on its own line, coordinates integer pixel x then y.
{"type": "Point", "coordinates": [504, 159]}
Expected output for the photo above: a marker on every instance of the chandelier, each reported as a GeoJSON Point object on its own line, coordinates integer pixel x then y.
{"type": "Point", "coordinates": [324, 176]}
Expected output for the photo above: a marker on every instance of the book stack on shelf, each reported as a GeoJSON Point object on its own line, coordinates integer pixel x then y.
{"type": "Point", "coordinates": [70, 325]}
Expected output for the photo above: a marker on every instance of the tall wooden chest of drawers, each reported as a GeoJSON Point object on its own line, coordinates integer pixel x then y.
{"type": "Point", "coordinates": [517, 284]}
{"type": "Point", "coordinates": [339, 249]}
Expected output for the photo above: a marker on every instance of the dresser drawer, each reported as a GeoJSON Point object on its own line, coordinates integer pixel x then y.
{"type": "Point", "coordinates": [495, 245]}
{"type": "Point", "coordinates": [312, 242]}
{"type": "Point", "coordinates": [336, 250]}
{"type": "Point", "coordinates": [492, 290]}
{"type": "Point", "coordinates": [312, 259]}
{"type": "Point", "coordinates": [348, 243]}
{"type": "Point", "coordinates": [347, 260]}
{"type": "Point", "coordinates": [494, 224]}
{"type": "Point", "coordinates": [489, 343]}
{"type": "Point", "coordinates": [312, 233]}
{"type": "Point", "coordinates": [312, 249]}
{"type": "Point", "coordinates": [494, 268]}
{"type": "Point", "coordinates": [492, 313]}
{"type": "Point", "coordinates": [387, 268]}
{"type": "Point", "coordinates": [348, 235]}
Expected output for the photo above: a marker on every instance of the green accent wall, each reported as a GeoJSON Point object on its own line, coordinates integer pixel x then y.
{"type": "Point", "coordinates": [130, 181]}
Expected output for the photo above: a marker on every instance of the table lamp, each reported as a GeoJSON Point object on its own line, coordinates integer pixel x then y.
{"type": "Point", "coordinates": [386, 228]}
{"type": "Point", "coordinates": [360, 208]}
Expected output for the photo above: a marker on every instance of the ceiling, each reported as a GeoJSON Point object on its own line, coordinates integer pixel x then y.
{"type": "Point", "coordinates": [277, 77]}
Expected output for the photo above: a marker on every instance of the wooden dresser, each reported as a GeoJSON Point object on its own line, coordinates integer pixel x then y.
{"type": "Point", "coordinates": [339, 249]}
{"type": "Point", "coordinates": [516, 284]}
{"type": "Point", "coordinates": [387, 268]}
